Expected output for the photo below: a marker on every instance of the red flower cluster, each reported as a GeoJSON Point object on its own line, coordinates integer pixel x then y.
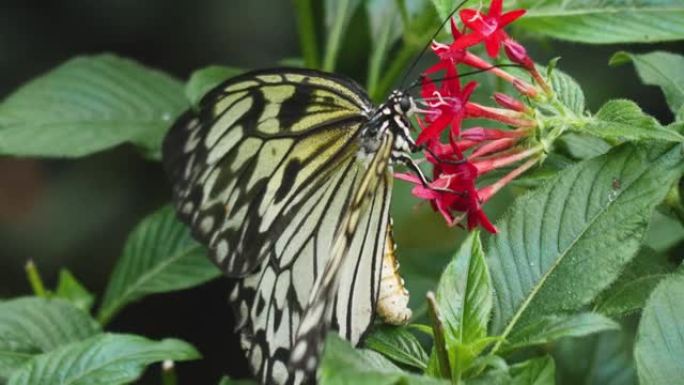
{"type": "Point", "coordinates": [470, 153]}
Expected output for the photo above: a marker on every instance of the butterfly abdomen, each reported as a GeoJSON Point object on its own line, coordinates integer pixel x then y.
{"type": "Point", "coordinates": [393, 297]}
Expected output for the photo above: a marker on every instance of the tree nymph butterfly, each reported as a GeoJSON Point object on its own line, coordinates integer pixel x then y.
{"type": "Point", "coordinates": [286, 175]}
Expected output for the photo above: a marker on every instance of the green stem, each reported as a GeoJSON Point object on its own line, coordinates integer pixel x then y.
{"type": "Point", "coordinates": [377, 60]}
{"type": "Point", "coordinates": [673, 201]}
{"type": "Point", "coordinates": [403, 12]}
{"type": "Point", "coordinates": [307, 32]}
{"type": "Point", "coordinates": [35, 280]}
{"type": "Point", "coordinates": [395, 70]}
{"type": "Point", "coordinates": [332, 46]}
{"type": "Point", "coordinates": [168, 374]}
{"type": "Point", "coordinates": [438, 332]}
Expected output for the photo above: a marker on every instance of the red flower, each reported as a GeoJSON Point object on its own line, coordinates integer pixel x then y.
{"type": "Point", "coordinates": [453, 187]}
{"type": "Point", "coordinates": [447, 105]}
{"type": "Point", "coordinates": [456, 51]}
{"type": "Point", "coordinates": [462, 157]}
{"type": "Point", "coordinates": [489, 27]}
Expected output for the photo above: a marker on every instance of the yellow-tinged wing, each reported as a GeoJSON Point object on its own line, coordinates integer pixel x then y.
{"type": "Point", "coordinates": [267, 174]}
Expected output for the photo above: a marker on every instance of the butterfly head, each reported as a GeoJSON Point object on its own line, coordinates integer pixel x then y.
{"type": "Point", "coordinates": [390, 116]}
{"type": "Point", "coordinates": [401, 102]}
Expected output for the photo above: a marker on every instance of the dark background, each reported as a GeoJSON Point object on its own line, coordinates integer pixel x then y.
{"type": "Point", "coordinates": [77, 213]}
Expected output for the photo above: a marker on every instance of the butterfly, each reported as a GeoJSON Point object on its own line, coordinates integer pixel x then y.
{"type": "Point", "coordinates": [286, 175]}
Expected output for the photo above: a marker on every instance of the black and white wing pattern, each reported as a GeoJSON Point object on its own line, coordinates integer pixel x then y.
{"type": "Point", "coordinates": [267, 173]}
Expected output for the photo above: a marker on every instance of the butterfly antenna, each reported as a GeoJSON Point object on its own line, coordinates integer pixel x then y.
{"type": "Point", "coordinates": [416, 83]}
{"type": "Point", "coordinates": [422, 52]}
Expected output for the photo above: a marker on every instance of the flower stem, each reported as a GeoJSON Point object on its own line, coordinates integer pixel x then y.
{"type": "Point", "coordinates": [485, 165]}
{"type": "Point", "coordinates": [35, 280]}
{"type": "Point", "coordinates": [541, 81]}
{"type": "Point", "coordinates": [307, 32]}
{"type": "Point", "coordinates": [506, 116]}
{"type": "Point", "coordinates": [522, 86]}
{"type": "Point", "coordinates": [492, 189]}
{"type": "Point", "coordinates": [438, 331]}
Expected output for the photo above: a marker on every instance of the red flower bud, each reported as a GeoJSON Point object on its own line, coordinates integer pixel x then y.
{"type": "Point", "coordinates": [517, 53]}
{"type": "Point", "coordinates": [509, 102]}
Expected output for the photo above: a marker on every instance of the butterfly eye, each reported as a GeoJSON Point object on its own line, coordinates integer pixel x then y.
{"type": "Point", "coordinates": [405, 103]}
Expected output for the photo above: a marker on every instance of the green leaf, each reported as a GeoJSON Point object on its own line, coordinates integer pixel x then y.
{"type": "Point", "coordinates": [205, 79]}
{"type": "Point", "coordinates": [228, 381]}
{"type": "Point", "coordinates": [553, 327]}
{"type": "Point", "coordinates": [624, 120]}
{"type": "Point", "coordinates": [601, 359]}
{"type": "Point", "coordinates": [159, 256]}
{"type": "Point", "coordinates": [337, 16]}
{"type": "Point", "coordinates": [89, 104]}
{"type": "Point", "coordinates": [553, 164]}
{"type": "Point", "coordinates": [603, 22]}
{"type": "Point", "coordinates": [464, 293]}
{"type": "Point", "coordinates": [342, 364]}
{"type": "Point", "coordinates": [631, 290]}
{"type": "Point", "coordinates": [69, 289]}
{"type": "Point", "coordinates": [536, 371]}
{"type": "Point", "coordinates": [661, 69]}
{"type": "Point", "coordinates": [493, 377]}
{"type": "Point", "coordinates": [464, 299]}
{"type": "Point", "coordinates": [419, 19]}
{"type": "Point", "coordinates": [399, 345]}
{"type": "Point", "coordinates": [582, 146]}
{"type": "Point", "coordinates": [680, 117]}
{"type": "Point", "coordinates": [306, 29]}
{"type": "Point", "coordinates": [659, 346]}
{"type": "Point", "coordinates": [443, 7]}
{"type": "Point", "coordinates": [31, 325]}
{"type": "Point", "coordinates": [560, 245]}
{"type": "Point", "coordinates": [568, 91]}
{"type": "Point", "coordinates": [385, 27]}
{"type": "Point", "coordinates": [110, 359]}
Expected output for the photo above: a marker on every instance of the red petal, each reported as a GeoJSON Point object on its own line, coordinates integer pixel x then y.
{"type": "Point", "coordinates": [434, 129]}
{"type": "Point", "coordinates": [456, 125]}
{"type": "Point", "coordinates": [495, 8]}
{"type": "Point", "coordinates": [509, 17]}
{"type": "Point", "coordinates": [454, 29]}
{"type": "Point", "coordinates": [451, 85]}
{"type": "Point", "coordinates": [474, 20]}
{"type": "Point", "coordinates": [407, 177]}
{"type": "Point", "coordinates": [441, 65]}
{"type": "Point", "coordinates": [486, 223]}
{"type": "Point", "coordinates": [442, 209]}
{"type": "Point", "coordinates": [492, 44]}
{"type": "Point", "coordinates": [467, 40]}
{"type": "Point", "coordinates": [424, 193]}
{"type": "Point", "coordinates": [468, 90]}
{"type": "Point", "coordinates": [428, 87]}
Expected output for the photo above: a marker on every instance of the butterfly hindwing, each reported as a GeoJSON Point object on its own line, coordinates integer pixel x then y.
{"type": "Point", "coordinates": [280, 294]}
{"type": "Point", "coordinates": [357, 249]}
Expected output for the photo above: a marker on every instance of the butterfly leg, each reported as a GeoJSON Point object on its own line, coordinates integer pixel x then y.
{"type": "Point", "coordinates": [407, 161]}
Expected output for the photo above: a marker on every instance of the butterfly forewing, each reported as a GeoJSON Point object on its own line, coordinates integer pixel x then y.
{"type": "Point", "coordinates": [247, 160]}
{"type": "Point", "coordinates": [266, 173]}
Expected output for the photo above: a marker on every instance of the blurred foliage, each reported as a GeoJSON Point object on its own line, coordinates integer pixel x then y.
{"type": "Point", "coordinates": [79, 213]}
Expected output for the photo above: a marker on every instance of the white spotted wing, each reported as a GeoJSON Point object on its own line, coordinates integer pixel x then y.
{"type": "Point", "coordinates": [266, 174]}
